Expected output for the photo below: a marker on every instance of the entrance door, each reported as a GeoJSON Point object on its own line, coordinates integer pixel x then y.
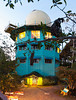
{"type": "Point", "coordinates": [34, 81]}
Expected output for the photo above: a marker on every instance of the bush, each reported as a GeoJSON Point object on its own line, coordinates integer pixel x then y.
{"type": "Point", "coordinates": [50, 80]}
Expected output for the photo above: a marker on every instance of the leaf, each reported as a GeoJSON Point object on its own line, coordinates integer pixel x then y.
{"type": "Point", "coordinates": [12, 6]}
{"type": "Point", "coordinates": [65, 2]}
{"type": "Point", "coordinates": [69, 11]}
{"type": "Point", "coordinates": [30, 1]}
{"type": "Point", "coordinates": [7, 4]}
{"type": "Point", "coordinates": [15, 1]}
{"type": "Point", "coordinates": [59, 3]}
{"type": "Point", "coordinates": [20, 2]}
{"type": "Point", "coordinates": [55, 1]}
{"type": "Point", "coordinates": [51, 7]}
{"type": "Point", "coordinates": [69, 34]}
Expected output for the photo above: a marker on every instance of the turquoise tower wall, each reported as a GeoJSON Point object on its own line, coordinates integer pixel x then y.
{"type": "Point", "coordinates": [45, 69]}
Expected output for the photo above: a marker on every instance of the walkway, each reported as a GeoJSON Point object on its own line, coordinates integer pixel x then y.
{"type": "Point", "coordinates": [43, 93]}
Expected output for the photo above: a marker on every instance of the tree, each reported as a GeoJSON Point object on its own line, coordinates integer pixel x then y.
{"type": "Point", "coordinates": [9, 80]}
{"type": "Point", "coordinates": [68, 75]}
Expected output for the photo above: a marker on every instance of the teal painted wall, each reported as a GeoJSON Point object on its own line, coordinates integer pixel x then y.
{"type": "Point", "coordinates": [45, 69]}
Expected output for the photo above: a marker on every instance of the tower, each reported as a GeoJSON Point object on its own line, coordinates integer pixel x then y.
{"type": "Point", "coordinates": [35, 58]}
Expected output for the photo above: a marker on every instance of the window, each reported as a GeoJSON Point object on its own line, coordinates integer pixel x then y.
{"type": "Point", "coordinates": [34, 47]}
{"type": "Point", "coordinates": [23, 60]}
{"type": "Point", "coordinates": [16, 38]}
{"type": "Point", "coordinates": [35, 34]}
{"type": "Point", "coordinates": [22, 35]}
{"type": "Point", "coordinates": [48, 35]}
{"type": "Point", "coordinates": [47, 47]}
{"type": "Point", "coordinates": [20, 48]}
{"type": "Point", "coordinates": [48, 60]}
{"type": "Point", "coordinates": [23, 47]}
{"type": "Point", "coordinates": [36, 60]}
{"type": "Point", "coordinates": [57, 50]}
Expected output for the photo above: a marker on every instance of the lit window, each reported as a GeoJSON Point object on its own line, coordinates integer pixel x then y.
{"type": "Point", "coordinates": [35, 34]}
{"type": "Point", "coordinates": [23, 60]}
{"type": "Point", "coordinates": [22, 35]}
{"type": "Point", "coordinates": [48, 35]}
{"type": "Point", "coordinates": [16, 38]}
{"type": "Point", "coordinates": [48, 60]}
{"type": "Point", "coordinates": [58, 50]}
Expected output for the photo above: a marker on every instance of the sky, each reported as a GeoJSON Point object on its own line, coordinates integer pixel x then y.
{"type": "Point", "coordinates": [19, 13]}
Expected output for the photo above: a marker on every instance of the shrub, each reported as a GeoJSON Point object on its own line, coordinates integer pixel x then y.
{"type": "Point", "coordinates": [50, 80]}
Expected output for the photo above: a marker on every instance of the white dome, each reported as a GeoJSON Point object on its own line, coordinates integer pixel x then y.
{"type": "Point", "coordinates": [36, 17]}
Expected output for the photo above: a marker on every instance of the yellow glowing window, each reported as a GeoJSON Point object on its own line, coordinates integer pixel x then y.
{"type": "Point", "coordinates": [22, 35]}
{"type": "Point", "coordinates": [35, 34]}
{"type": "Point", "coordinates": [16, 38]}
{"type": "Point", "coordinates": [58, 50]}
{"type": "Point", "coordinates": [48, 35]}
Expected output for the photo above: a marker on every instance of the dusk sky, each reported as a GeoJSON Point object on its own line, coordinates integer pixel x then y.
{"type": "Point", "coordinates": [19, 13]}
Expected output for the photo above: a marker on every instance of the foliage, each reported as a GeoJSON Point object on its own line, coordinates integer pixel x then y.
{"type": "Point", "coordinates": [50, 80]}
{"type": "Point", "coordinates": [68, 75]}
{"type": "Point", "coordinates": [47, 82]}
{"type": "Point", "coordinates": [9, 79]}
{"type": "Point", "coordinates": [11, 3]}
{"type": "Point", "coordinates": [56, 27]}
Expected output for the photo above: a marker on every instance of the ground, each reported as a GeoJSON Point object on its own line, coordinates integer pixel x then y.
{"type": "Point", "coordinates": [44, 93]}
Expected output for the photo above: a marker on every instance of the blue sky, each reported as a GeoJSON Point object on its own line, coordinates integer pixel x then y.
{"type": "Point", "coordinates": [19, 14]}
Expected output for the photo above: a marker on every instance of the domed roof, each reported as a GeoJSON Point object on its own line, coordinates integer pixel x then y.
{"type": "Point", "coordinates": [36, 17]}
